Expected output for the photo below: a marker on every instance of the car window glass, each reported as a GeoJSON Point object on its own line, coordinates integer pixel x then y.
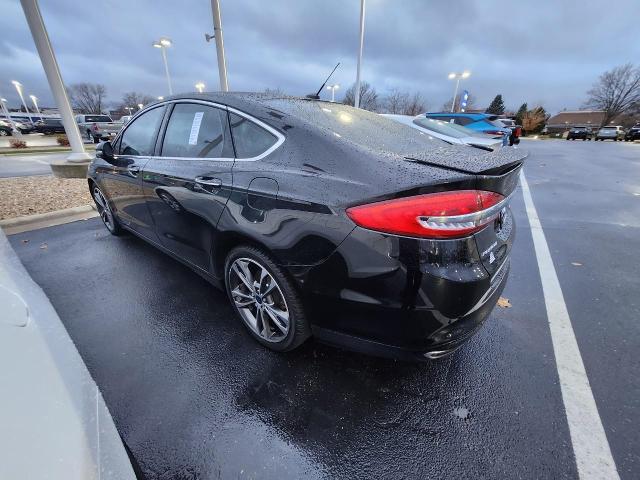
{"type": "Point", "coordinates": [464, 121]}
{"type": "Point", "coordinates": [439, 126]}
{"type": "Point", "coordinates": [249, 138]}
{"type": "Point", "coordinates": [195, 131]}
{"type": "Point", "coordinates": [139, 137]}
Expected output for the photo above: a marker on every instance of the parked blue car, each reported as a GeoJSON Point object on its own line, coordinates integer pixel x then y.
{"type": "Point", "coordinates": [481, 122]}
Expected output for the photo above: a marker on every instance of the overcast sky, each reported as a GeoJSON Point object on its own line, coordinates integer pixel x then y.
{"type": "Point", "coordinates": [542, 51]}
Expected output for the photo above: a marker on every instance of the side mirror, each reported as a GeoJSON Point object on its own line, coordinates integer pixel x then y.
{"type": "Point", "coordinates": [105, 151]}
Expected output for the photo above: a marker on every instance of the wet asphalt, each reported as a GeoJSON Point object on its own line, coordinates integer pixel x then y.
{"type": "Point", "coordinates": [195, 397]}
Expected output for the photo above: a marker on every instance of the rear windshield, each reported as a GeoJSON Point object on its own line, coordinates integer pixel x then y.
{"type": "Point", "coordinates": [97, 118]}
{"type": "Point", "coordinates": [358, 126]}
{"type": "Point", "coordinates": [609, 128]}
{"type": "Point", "coordinates": [439, 126]}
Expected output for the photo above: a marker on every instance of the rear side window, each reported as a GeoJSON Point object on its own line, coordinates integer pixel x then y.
{"type": "Point", "coordinates": [96, 118]}
{"type": "Point", "coordinates": [139, 137]}
{"type": "Point", "coordinates": [197, 131]}
{"type": "Point", "coordinates": [249, 138]}
{"type": "Point", "coordinates": [464, 121]}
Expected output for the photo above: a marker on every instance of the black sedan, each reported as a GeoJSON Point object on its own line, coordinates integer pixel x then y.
{"type": "Point", "coordinates": [633, 133]}
{"type": "Point", "coordinates": [318, 219]}
{"type": "Point", "coordinates": [580, 133]}
{"type": "Point", "coordinates": [49, 126]}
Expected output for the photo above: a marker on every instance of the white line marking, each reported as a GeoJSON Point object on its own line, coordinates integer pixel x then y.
{"type": "Point", "coordinates": [590, 445]}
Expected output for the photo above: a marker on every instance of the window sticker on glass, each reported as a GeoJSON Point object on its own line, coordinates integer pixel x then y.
{"type": "Point", "coordinates": [195, 128]}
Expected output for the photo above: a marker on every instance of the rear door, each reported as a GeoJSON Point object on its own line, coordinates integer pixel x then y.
{"type": "Point", "coordinates": [122, 181]}
{"type": "Point", "coordinates": [188, 181]}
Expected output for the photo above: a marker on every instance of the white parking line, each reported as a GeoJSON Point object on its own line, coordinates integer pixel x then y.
{"type": "Point", "coordinates": [590, 445]}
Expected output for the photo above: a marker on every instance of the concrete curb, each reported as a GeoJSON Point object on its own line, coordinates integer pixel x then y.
{"type": "Point", "coordinates": [26, 223]}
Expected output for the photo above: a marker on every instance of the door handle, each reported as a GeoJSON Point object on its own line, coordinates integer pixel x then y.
{"type": "Point", "coordinates": [213, 182]}
{"type": "Point", "coordinates": [133, 169]}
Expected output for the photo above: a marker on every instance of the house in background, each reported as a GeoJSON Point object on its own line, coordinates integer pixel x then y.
{"type": "Point", "coordinates": [563, 121]}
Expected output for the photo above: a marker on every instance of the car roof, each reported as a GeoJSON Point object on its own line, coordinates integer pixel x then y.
{"type": "Point", "coordinates": [475, 116]}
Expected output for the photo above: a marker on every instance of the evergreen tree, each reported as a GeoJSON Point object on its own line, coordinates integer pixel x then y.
{"type": "Point", "coordinates": [521, 111]}
{"type": "Point", "coordinates": [497, 106]}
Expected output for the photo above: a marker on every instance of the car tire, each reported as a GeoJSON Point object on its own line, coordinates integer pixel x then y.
{"type": "Point", "coordinates": [105, 211]}
{"type": "Point", "coordinates": [4, 133]}
{"type": "Point", "coordinates": [281, 303]}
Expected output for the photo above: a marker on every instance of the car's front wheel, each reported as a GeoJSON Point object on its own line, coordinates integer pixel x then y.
{"type": "Point", "coordinates": [265, 299]}
{"type": "Point", "coordinates": [105, 212]}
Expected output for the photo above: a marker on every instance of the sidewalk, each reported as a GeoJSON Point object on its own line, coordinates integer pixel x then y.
{"type": "Point", "coordinates": [55, 423]}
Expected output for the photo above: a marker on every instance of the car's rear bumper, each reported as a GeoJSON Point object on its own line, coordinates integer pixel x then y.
{"type": "Point", "coordinates": [405, 297]}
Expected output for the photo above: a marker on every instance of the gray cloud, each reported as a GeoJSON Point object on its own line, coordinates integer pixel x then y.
{"type": "Point", "coordinates": [542, 51]}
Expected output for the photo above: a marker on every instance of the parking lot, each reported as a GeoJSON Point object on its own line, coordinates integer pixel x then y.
{"type": "Point", "coordinates": [193, 396]}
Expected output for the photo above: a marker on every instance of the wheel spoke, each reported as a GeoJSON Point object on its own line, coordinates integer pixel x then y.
{"type": "Point", "coordinates": [98, 197]}
{"type": "Point", "coordinates": [240, 272]}
{"type": "Point", "coordinates": [280, 317]}
{"type": "Point", "coordinates": [264, 329]}
{"type": "Point", "coordinates": [246, 298]}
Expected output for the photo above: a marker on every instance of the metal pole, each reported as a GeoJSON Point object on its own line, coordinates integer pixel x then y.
{"type": "Point", "coordinates": [19, 89]}
{"type": "Point", "coordinates": [333, 94]}
{"type": "Point", "coordinates": [163, 49]}
{"type": "Point", "coordinates": [50, 65]}
{"type": "Point", "coordinates": [357, 88]}
{"type": "Point", "coordinates": [455, 94]}
{"type": "Point", "coordinates": [217, 33]}
{"type": "Point", "coordinates": [35, 103]}
{"type": "Point", "coordinates": [9, 119]}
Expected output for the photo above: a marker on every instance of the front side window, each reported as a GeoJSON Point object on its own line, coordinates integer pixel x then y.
{"type": "Point", "coordinates": [97, 119]}
{"type": "Point", "coordinates": [139, 137]}
{"type": "Point", "coordinates": [249, 138]}
{"type": "Point", "coordinates": [196, 131]}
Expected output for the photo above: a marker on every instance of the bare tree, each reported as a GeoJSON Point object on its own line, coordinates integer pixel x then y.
{"type": "Point", "coordinates": [616, 91]}
{"type": "Point", "coordinates": [133, 99]}
{"type": "Point", "coordinates": [276, 92]}
{"type": "Point", "coordinates": [414, 105]}
{"type": "Point", "coordinates": [395, 102]}
{"type": "Point", "coordinates": [87, 97]}
{"type": "Point", "coordinates": [368, 96]}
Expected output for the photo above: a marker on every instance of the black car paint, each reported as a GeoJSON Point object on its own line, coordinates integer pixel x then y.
{"type": "Point", "coordinates": [372, 292]}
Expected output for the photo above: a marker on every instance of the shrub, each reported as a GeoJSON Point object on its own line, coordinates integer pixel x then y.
{"type": "Point", "coordinates": [15, 143]}
{"type": "Point", "coordinates": [62, 140]}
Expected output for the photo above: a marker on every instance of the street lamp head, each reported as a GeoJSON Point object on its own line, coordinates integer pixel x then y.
{"type": "Point", "coordinates": [33, 97]}
{"type": "Point", "coordinates": [165, 42]}
{"type": "Point", "coordinates": [3, 99]}
{"type": "Point", "coordinates": [466, 74]}
{"type": "Point", "coordinates": [140, 106]}
{"type": "Point", "coordinates": [452, 76]}
{"type": "Point", "coordinates": [200, 86]}
{"type": "Point", "coordinates": [161, 98]}
{"type": "Point", "coordinates": [16, 83]}
{"type": "Point", "coordinates": [157, 44]}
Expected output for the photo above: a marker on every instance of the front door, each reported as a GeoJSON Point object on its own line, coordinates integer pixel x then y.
{"type": "Point", "coordinates": [122, 181]}
{"type": "Point", "coordinates": [187, 184]}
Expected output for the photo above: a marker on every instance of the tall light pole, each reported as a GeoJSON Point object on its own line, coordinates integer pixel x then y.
{"type": "Point", "coordinates": [200, 87]}
{"type": "Point", "coordinates": [357, 88]}
{"type": "Point", "coordinates": [217, 35]}
{"type": "Point", "coordinates": [34, 99]}
{"type": "Point", "coordinates": [129, 109]}
{"type": "Point", "coordinates": [140, 106]}
{"type": "Point", "coordinates": [457, 77]}
{"type": "Point", "coordinates": [5, 110]}
{"type": "Point", "coordinates": [163, 44]}
{"type": "Point", "coordinates": [50, 65]}
{"type": "Point", "coordinates": [333, 89]}
{"type": "Point", "coordinates": [18, 86]}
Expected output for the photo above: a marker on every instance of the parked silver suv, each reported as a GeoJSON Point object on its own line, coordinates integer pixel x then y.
{"type": "Point", "coordinates": [611, 132]}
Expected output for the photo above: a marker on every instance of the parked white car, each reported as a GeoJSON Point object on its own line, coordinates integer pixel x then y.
{"type": "Point", "coordinates": [449, 132]}
{"type": "Point", "coordinates": [611, 132]}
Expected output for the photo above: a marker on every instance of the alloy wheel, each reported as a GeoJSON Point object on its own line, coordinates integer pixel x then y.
{"type": "Point", "coordinates": [104, 210]}
{"type": "Point", "coordinates": [259, 299]}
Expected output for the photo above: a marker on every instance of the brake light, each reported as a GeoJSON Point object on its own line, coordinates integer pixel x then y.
{"type": "Point", "coordinates": [450, 214]}
{"type": "Point", "coordinates": [494, 132]}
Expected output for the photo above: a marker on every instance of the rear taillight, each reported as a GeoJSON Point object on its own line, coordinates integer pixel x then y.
{"type": "Point", "coordinates": [434, 215]}
{"type": "Point", "coordinates": [494, 132]}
